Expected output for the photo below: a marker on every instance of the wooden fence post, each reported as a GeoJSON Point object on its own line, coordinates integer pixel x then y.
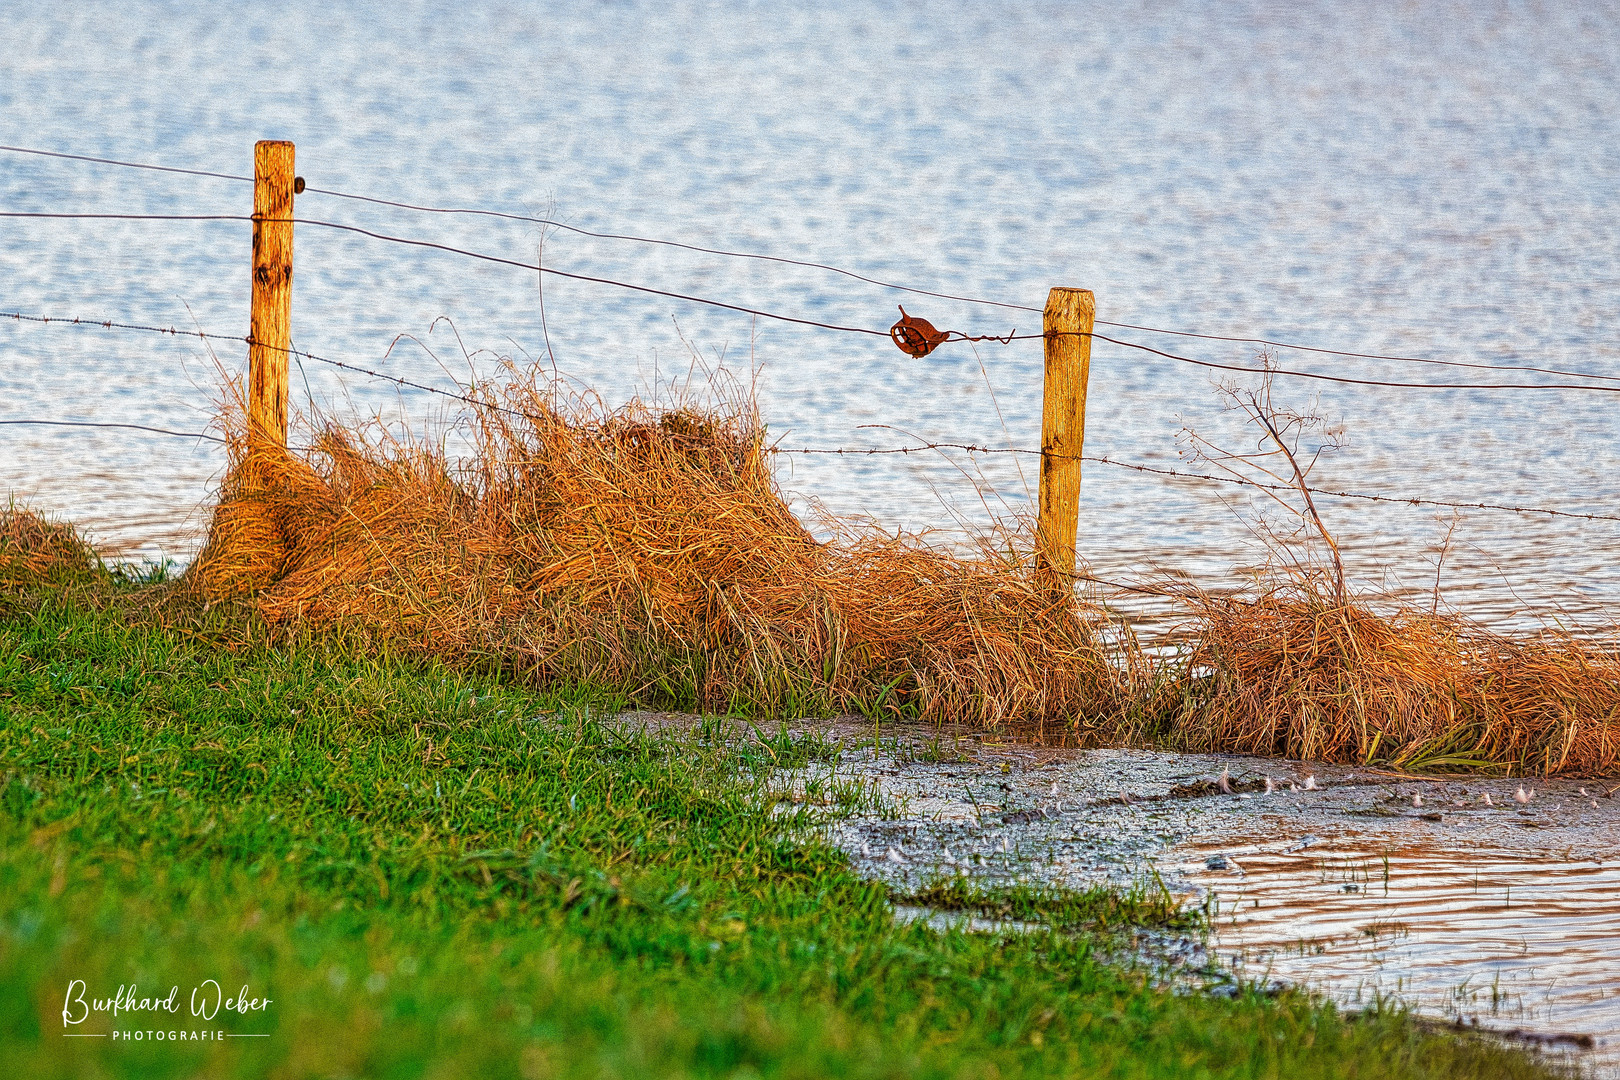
{"type": "Point", "coordinates": [270, 325]}
{"type": "Point", "coordinates": [1067, 324]}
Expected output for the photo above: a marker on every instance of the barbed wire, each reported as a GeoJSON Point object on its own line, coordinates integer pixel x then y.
{"type": "Point", "coordinates": [954, 335]}
{"type": "Point", "coordinates": [1137, 467]}
{"type": "Point", "coordinates": [203, 335]}
{"type": "Point", "coordinates": [549, 222]}
{"type": "Point", "coordinates": [485, 403]}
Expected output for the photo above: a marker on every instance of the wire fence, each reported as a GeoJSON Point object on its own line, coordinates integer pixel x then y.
{"type": "Point", "coordinates": [552, 223]}
{"type": "Point", "coordinates": [949, 336]}
{"type": "Point", "coordinates": [1588, 381]}
{"type": "Point", "coordinates": [922, 447]}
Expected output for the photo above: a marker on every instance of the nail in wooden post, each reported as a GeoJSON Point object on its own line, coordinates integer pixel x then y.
{"type": "Point", "coordinates": [1068, 320]}
{"type": "Point", "coordinates": [270, 327]}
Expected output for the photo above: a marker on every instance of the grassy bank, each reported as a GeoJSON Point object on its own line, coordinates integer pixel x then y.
{"type": "Point", "coordinates": [431, 873]}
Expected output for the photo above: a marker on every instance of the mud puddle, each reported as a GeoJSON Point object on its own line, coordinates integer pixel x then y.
{"type": "Point", "coordinates": [1452, 897]}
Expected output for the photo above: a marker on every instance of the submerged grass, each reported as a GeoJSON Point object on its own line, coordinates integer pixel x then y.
{"type": "Point", "coordinates": [1096, 909]}
{"type": "Point", "coordinates": [1296, 673]}
{"type": "Point", "coordinates": [434, 872]}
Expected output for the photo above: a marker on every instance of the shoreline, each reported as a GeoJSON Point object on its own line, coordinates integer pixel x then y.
{"type": "Point", "coordinates": [981, 813]}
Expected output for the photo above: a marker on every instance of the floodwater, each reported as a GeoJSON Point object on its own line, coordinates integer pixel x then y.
{"type": "Point", "coordinates": [1435, 180]}
{"type": "Point", "coordinates": [1509, 937]}
{"type": "Point", "coordinates": [1449, 896]}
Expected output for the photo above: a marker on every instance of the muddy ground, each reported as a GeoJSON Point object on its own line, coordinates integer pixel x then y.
{"type": "Point", "coordinates": [1483, 901]}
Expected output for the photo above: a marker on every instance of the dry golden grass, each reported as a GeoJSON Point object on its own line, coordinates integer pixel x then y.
{"type": "Point", "coordinates": [648, 551]}
{"type": "Point", "coordinates": [1294, 673]}
{"type": "Point", "coordinates": [33, 549]}
{"type": "Point", "coordinates": [651, 552]}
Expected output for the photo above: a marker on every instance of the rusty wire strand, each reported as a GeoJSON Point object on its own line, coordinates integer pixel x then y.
{"type": "Point", "coordinates": [123, 164]}
{"type": "Point", "coordinates": [469, 254]}
{"type": "Point", "coordinates": [1328, 378]}
{"type": "Point", "coordinates": [549, 222]}
{"type": "Point", "coordinates": [104, 424]}
{"type": "Point", "coordinates": [1006, 338]}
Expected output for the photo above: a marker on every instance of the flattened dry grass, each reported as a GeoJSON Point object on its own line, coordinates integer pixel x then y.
{"type": "Point", "coordinates": [648, 552]}
{"type": "Point", "coordinates": [1294, 673]}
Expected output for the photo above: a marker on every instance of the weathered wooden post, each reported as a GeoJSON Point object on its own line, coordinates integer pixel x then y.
{"type": "Point", "coordinates": [270, 325]}
{"type": "Point", "coordinates": [1067, 323]}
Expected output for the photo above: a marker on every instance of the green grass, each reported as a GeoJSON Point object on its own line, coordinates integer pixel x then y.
{"type": "Point", "coordinates": [431, 874]}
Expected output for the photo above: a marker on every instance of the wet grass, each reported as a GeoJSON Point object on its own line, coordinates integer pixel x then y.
{"type": "Point", "coordinates": [432, 873]}
{"type": "Point", "coordinates": [1095, 911]}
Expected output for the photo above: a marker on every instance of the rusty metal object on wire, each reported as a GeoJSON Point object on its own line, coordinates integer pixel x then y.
{"type": "Point", "coordinates": [916, 337]}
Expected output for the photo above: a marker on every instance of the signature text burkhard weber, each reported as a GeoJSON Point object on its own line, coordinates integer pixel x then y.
{"type": "Point", "coordinates": [207, 1000]}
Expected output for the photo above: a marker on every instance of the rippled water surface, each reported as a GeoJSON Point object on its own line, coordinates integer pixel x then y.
{"type": "Point", "coordinates": [1448, 897]}
{"type": "Point", "coordinates": [1435, 180]}
{"type": "Point", "coordinates": [1506, 939]}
